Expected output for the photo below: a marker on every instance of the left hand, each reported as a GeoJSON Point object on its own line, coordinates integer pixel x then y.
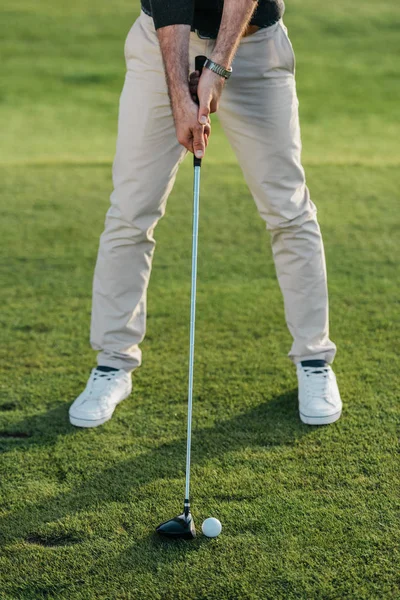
{"type": "Point", "coordinates": [208, 89]}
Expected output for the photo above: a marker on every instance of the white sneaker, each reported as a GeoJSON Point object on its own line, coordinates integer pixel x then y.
{"type": "Point", "coordinates": [319, 397]}
{"type": "Point", "coordinates": [103, 392]}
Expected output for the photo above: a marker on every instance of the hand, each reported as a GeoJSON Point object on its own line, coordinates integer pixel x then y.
{"type": "Point", "coordinates": [208, 89]}
{"type": "Point", "coordinates": [189, 132]}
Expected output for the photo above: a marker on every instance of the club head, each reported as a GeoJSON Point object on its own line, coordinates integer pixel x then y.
{"type": "Point", "coordinates": [178, 528]}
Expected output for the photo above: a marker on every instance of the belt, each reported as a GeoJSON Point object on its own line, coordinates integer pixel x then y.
{"type": "Point", "coordinates": [208, 35]}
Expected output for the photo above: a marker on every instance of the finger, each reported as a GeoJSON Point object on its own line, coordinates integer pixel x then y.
{"type": "Point", "coordinates": [188, 144]}
{"type": "Point", "coordinates": [204, 114]}
{"type": "Point", "coordinates": [194, 75]}
{"type": "Point", "coordinates": [199, 145]}
{"type": "Point", "coordinates": [207, 133]}
{"type": "Point", "coordinates": [185, 139]}
{"type": "Point", "coordinates": [213, 106]}
{"type": "Point", "coordinates": [193, 84]}
{"type": "Point", "coordinates": [193, 90]}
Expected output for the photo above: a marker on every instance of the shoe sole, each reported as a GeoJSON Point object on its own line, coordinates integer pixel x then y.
{"type": "Point", "coordinates": [325, 420]}
{"type": "Point", "coordinates": [87, 423]}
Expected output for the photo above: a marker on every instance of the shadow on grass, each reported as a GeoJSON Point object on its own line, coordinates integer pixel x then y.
{"type": "Point", "coordinates": [42, 429]}
{"type": "Point", "coordinates": [272, 423]}
{"type": "Point", "coordinates": [163, 551]}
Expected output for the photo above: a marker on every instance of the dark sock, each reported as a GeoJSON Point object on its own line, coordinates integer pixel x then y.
{"type": "Point", "coordinates": [314, 363]}
{"type": "Point", "coordinates": [106, 369]}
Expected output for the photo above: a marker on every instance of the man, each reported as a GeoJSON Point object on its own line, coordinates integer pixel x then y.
{"type": "Point", "coordinates": [158, 122]}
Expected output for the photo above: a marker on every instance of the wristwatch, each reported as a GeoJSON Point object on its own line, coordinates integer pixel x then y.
{"type": "Point", "coordinates": [219, 69]}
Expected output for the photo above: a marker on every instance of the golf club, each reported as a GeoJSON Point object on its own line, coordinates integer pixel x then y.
{"type": "Point", "coordinates": [182, 526]}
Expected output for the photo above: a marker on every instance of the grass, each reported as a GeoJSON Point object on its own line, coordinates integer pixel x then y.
{"type": "Point", "coordinates": [306, 513]}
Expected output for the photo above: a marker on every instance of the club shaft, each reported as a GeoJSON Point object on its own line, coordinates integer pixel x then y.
{"type": "Point", "coordinates": [196, 206]}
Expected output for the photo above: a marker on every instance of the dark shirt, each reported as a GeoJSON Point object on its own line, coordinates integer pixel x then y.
{"type": "Point", "coordinates": [206, 14]}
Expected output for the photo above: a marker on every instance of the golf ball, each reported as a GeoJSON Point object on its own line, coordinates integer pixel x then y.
{"type": "Point", "coordinates": [211, 527]}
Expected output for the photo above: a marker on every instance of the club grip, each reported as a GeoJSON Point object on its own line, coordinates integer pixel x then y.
{"type": "Point", "coordinates": [198, 66]}
{"type": "Point", "coordinates": [199, 63]}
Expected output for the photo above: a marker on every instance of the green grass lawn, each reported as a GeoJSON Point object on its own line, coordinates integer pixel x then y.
{"type": "Point", "coordinates": [306, 512]}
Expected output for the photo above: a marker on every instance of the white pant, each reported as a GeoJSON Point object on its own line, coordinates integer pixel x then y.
{"type": "Point", "coordinates": [259, 114]}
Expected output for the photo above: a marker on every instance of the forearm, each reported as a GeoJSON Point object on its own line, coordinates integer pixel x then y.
{"type": "Point", "coordinates": [235, 18]}
{"type": "Point", "coordinates": [174, 44]}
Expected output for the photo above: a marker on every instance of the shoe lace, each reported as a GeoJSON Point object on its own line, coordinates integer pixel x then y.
{"type": "Point", "coordinates": [318, 380]}
{"type": "Point", "coordinates": [101, 379]}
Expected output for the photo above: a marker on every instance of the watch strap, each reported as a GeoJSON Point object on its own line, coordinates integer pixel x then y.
{"type": "Point", "coordinates": [219, 69]}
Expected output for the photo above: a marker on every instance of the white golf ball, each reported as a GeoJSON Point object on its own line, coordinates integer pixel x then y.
{"type": "Point", "coordinates": [211, 527]}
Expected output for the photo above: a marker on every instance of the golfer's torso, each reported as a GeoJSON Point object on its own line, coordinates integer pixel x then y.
{"type": "Point", "coordinates": [207, 13]}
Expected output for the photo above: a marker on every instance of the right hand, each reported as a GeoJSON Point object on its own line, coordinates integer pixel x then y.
{"type": "Point", "coordinates": [189, 132]}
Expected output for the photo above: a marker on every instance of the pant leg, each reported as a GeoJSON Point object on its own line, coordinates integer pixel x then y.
{"type": "Point", "coordinates": [145, 166]}
{"type": "Point", "coordinates": [259, 113]}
